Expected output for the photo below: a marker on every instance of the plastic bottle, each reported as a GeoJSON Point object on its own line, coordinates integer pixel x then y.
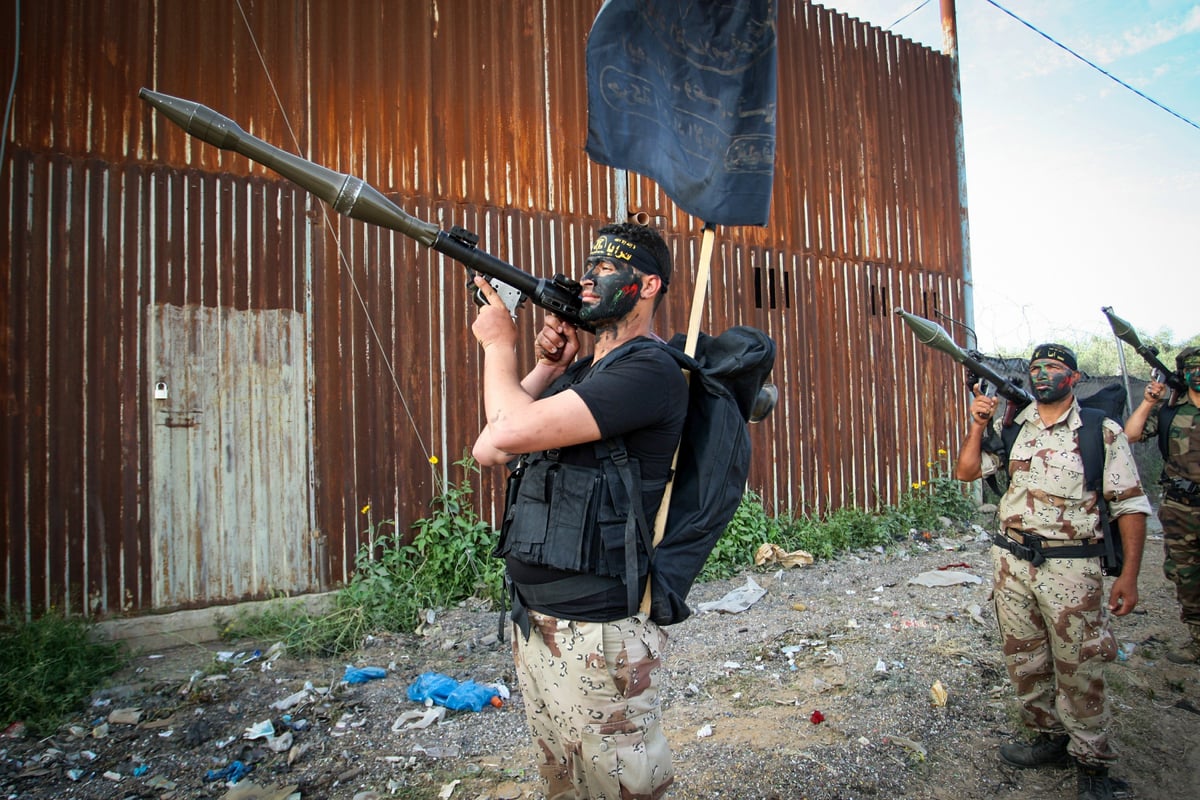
{"type": "Point", "coordinates": [443, 690]}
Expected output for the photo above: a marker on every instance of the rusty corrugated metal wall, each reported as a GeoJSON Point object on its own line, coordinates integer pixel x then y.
{"type": "Point", "coordinates": [466, 112]}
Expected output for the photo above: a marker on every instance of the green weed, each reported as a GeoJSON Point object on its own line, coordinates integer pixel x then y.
{"type": "Point", "coordinates": [448, 560]}
{"type": "Point", "coordinates": [49, 666]}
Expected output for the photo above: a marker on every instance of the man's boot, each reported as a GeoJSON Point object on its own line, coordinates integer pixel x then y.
{"type": "Point", "coordinates": [1047, 750]}
{"type": "Point", "coordinates": [1190, 652]}
{"type": "Point", "coordinates": [1094, 784]}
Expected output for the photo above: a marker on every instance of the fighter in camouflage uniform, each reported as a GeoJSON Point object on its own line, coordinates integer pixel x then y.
{"type": "Point", "coordinates": [1052, 615]}
{"type": "Point", "coordinates": [1180, 509]}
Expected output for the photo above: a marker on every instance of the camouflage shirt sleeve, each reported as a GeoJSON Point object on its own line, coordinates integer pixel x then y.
{"type": "Point", "coordinates": [1122, 487]}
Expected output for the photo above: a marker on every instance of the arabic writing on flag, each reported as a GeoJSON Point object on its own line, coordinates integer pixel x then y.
{"type": "Point", "coordinates": [683, 92]}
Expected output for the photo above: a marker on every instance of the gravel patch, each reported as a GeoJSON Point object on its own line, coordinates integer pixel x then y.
{"type": "Point", "coordinates": [846, 680]}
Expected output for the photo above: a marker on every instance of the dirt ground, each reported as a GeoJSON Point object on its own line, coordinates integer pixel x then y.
{"type": "Point", "coordinates": [822, 689]}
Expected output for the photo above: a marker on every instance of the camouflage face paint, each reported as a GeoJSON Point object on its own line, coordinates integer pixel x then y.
{"type": "Point", "coordinates": [1051, 380]}
{"type": "Point", "coordinates": [1191, 376]}
{"type": "Point", "coordinates": [618, 288]}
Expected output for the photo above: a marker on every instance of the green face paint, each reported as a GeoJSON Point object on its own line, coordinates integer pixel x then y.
{"type": "Point", "coordinates": [1191, 376]}
{"type": "Point", "coordinates": [617, 289]}
{"type": "Point", "coordinates": [1051, 380]}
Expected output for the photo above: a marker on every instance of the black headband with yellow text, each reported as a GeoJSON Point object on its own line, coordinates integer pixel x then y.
{"type": "Point", "coordinates": [1056, 352]}
{"type": "Point", "coordinates": [610, 247]}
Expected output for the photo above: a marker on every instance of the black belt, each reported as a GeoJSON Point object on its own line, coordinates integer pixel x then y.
{"type": "Point", "coordinates": [1036, 549]}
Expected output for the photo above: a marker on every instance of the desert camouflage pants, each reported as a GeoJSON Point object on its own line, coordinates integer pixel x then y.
{"type": "Point", "coordinates": [591, 695]}
{"type": "Point", "coordinates": [1056, 641]}
{"type": "Point", "coordinates": [1181, 565]}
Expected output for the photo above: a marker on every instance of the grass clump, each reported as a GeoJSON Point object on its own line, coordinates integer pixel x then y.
{"type": "Point", "coordinates": [922, 508]}
{"type": "Point", "coordinates": [447, 560]}
{"type": "Point", "coordinates": [49, 666]}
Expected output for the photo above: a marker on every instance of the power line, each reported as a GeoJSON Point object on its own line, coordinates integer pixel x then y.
{"type": "Point", "coordinates": [909, 14]}
{"type": "Point", "coordinates": [1094, 66]}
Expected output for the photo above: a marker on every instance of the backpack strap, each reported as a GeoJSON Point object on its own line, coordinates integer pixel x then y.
{"type": "Point", "coordinates": [1091, 448]}
{"type": "Point", "coordinates": [1166, 415]}
{"type": "Point", "coordinates": [635, 521]}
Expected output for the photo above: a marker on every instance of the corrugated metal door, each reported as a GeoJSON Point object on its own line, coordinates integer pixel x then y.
{"type": "Point", "coordinates": [229, 494]}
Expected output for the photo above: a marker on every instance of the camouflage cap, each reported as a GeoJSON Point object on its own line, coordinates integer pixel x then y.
{"type": "Point", "coordinates": [1188, 358]}
{"type": "Point", "coordinates": [1056, 351]}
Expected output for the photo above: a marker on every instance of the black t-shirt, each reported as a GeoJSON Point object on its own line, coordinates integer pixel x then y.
{"type": "Point", "coordinates": [641, 396]}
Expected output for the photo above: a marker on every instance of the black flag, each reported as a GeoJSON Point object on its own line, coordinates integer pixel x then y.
{"type": "Point", "coordinates": [683, 92]}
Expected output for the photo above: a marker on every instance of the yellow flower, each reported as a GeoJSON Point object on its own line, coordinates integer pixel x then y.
{"type": "Point", "coordinates": [365, 508]}
{"type": "Point", "coordinates": [916, 486]}
{"type": "Point", "coordinates": [941, 452]}
{"type": "Point", "coordinates": [433, 459]}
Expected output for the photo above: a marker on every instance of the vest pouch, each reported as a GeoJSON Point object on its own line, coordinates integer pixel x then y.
{"type": "Point", "coordinates": [613, 520]}
{"type": "Point", "coordinates": [552, 520]}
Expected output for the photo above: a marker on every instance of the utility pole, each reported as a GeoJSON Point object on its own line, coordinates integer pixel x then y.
{"type": "Point", "coordinates": [950, 48]}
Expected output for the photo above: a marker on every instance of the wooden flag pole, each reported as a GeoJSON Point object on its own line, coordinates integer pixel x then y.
{"type": "Point", "coordinates": [693, 336]}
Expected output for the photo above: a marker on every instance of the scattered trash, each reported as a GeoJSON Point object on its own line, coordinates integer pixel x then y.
{"type": "Point", "coordinates": [916, 748]}
{"type": "Point", "coordinates": [975, 612]}
{"type": "Point", "coordinates": [232, 773]}
{"type": "Point", "coordinates": [880, 666]}
{"type": "Point", "coordinates": [363, 674]}
{"type": "Point", "coordinates": [448, 789]}
{"type": "Point", "coordinates": [260, 730]}
{"type": "Point", "coordinates": [249, 790]}
{"type": "Point", "coordinates": [736, 601]}
{"type": "Point", "coordinates": [938, 694]}
{"type": "Point", "coordinates": [125, 716]}
{"type": "Point", "coordinates": [953, 566]}
{"type": "Point", "coordinates": [816, 718]}
{"type": "Point", "coordinates": [770, 553]}
{"type": "Point", "coordinates": [293, 700]}
{"type": "Point", "coordinates": [272, 655]}
{"type": "Point", "coordinates": [704, 732]}
{"type": "Point", "coordinates": [1125, 651]}
{"type": "Point", "coordinates": [410, 720]}
{"type": "Point", "coordinates": [937, 577]}
{"type": "Point", "coordinates": [281, 743]}
{"type": "Point", "coordinates": [159, 782]}
{"type": "Point", "coordinates": [438, 689]}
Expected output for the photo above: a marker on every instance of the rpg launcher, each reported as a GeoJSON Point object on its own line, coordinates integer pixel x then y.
{"type": "Point", "coordinates": [935, 336]}
{"type": "Point", "coordinates": [1149, 353]}
{"type": "Point", "coordinates": [357, 199]}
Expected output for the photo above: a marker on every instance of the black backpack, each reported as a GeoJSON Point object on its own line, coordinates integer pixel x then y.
{"type": "Point", "coordinates": [727, 374]}
{"type": "Point", "coordinates": [1166, 415]}
{"type": "Point", "coordinates": [1107, 402]}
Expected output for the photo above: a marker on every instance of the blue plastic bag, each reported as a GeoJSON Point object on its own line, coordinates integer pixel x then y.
{"type": "Point", "coordinates": [363, 674]}
{"type": "Point", "coordinates": [231, 774]}
{"type": "Point", "coordinates": [445, 691]}
{"type": "Point", "coordinates": [432, 686]}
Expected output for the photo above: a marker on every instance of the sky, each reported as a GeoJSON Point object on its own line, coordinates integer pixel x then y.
{"type": "Point", "coordinates": [1081, 193]}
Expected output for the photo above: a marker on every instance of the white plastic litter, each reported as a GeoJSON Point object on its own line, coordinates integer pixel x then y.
{"type": "Point", "coordinates": [736, 601]}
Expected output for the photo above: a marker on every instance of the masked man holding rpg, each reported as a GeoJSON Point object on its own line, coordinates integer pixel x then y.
{"type": "Point", "coordinates": [1051, 608]}
{"type": "Point", "coordinates": [587, 661]}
